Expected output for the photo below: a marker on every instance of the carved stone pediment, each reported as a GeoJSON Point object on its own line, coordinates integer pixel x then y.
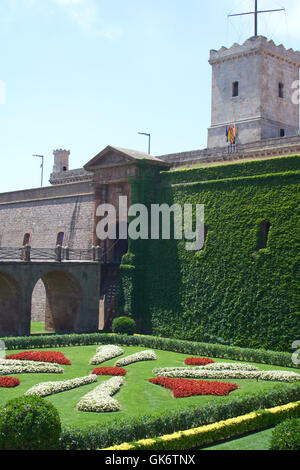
{"type": "Point", "coordinates": [109, 159]}
{"type": "Point", "coordinates": [112, 157]}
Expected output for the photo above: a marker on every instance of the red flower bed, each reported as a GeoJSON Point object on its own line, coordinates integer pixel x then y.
{"type": "Point", "coordinates": [189, 388]}
{"type": "Point", "coordinates": [9, 382]}
{"type": "Point", "coordinates": [198, 361]}
{"type": "Point", "coordinates": [41, 356]}
{"type": "Point", "coordinates": [109, 371]}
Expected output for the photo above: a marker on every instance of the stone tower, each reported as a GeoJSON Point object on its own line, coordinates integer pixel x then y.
{"type": "Point", "coordinates": [252, 86]}
{"type": "Point", "coordinates": [61, 160]}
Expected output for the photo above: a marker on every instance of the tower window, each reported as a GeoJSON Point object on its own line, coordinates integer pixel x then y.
{"type": "Point", "coordinates": [263, 235]}
{"type": "Point", "coordinates": [282, 132]}
{"type": "Point", "coordinates": [235, 89]}
{"type": "Point", "coordinates": [281, 90]}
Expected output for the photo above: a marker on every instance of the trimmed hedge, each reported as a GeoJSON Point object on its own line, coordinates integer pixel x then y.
{"type": "Point", "coordinates": [29, 423]}
{"type": "Point", "coordinates": [124, 325]}
{"type": "Point", "coordinates": [165, 344]}
{"type": "Point", "coordinates": [234, 427]}
{"type": "Point", "coordinates": [286, 436]}
{"type": "Point", "coordinates": [234, 291]}
{"type": "Point", "coordinates": [143, 427]}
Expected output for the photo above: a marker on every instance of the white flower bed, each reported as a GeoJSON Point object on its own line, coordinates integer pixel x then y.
{"type": "Point", "coordinates": [229, 366]}
{"type": "Point", "coordinates": [100, 399]}
{"type": "Point", "coordinates": [9, 366]}
{"type": "Point", "coordinates": [279, 375]}
{"type": "Point", "coordinates": [50, 388]}
{"type": "Point", "coordinates": [147, 355]}
{"type": "Point", "coordinates": [197, 373]}
{"type": "Point", "coordinates": [104, 353]}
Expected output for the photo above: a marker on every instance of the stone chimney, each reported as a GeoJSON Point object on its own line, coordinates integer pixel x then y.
{"type": "Point", "coordinates": [61, 160]}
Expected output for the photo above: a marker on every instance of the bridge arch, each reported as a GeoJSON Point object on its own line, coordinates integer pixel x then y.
{"type": "Point", "coordinates": [10, 305]}
{"type": "Point", "coordinates": [64, 298]}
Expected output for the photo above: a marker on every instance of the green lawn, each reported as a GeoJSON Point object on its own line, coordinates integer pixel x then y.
{"type": "Point", "coordinates": [137, 396]}
{"type": "Point", "coordinates": [257, 441]}
{"type": "Point", "coordinates": [37, 327]}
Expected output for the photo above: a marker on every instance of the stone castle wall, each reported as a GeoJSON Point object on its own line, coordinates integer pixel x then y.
{"type": "Point", "coordinates": [44, 213]}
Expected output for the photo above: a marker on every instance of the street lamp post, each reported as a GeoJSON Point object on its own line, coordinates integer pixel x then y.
{"type": "Point", "coordinates": [149, 141]}
{"type": "Point", "coordinates": [42, 167]}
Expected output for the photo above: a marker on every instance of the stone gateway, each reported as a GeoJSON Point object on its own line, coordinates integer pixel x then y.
{"type": "Point", "coordinates": [241, 286]}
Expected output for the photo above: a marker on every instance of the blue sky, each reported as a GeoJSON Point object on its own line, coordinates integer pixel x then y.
{"type": "Point", "coordinates": [84, 74]}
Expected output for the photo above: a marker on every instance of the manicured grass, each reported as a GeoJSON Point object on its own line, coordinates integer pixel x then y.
{"type": "Point", "coordinates": [37, 327]}
{"type": "Point", "coordinates": [137, 397]}
{"type": "Point", "coordinates": [257, 441]}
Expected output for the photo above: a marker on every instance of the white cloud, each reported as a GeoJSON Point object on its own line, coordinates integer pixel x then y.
{"type": "Point", "coordinates": [83, 12]}
{"type": "Point", "coordinates": [86, 14]}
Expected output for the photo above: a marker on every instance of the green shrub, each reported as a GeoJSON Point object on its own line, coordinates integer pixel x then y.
{"type": "Point", "coordinates": [100, 436]}
{"type": "Point", "coordinates": [286, 436]}
{"type": "Point", "coordinates": [221, 351]}
{"type": "Point", "coordinates": [124, 325]}
{"type": "Point", "coordinates": [204, 435]}
{"type": "Point", "coordinates": [29, 423]}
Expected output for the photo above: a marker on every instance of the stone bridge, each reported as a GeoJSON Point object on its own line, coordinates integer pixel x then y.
{"type": "Point", "coordinates": [72, 295]}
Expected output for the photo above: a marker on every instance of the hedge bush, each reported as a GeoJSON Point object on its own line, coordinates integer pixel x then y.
{"type": "Point", "coordinates": [154, 342]}
{"type": "Point", "coordinates": [124, 325]}
{"type": "Point", "coordinates": [135, 428]}
{"type": "Point", "coordinates": [204, 435]}
{"type": "Point", "coordinates": [286, 436]}
{"type": "Point", "coordinates": [29, 423]}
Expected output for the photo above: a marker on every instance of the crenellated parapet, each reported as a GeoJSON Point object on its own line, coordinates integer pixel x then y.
{"type": "Point", "coordinates": [253, 45]}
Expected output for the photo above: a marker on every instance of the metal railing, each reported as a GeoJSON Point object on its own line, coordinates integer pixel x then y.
{"type": "Point", "coordinates": [58, 254]}
{"type": "Point", "coordinates": [10, 253]}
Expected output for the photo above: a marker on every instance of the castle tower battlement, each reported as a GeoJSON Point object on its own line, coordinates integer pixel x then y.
{"type": "Point", "coordinates": [61, 160]}
{"type": "Point", "coordinates": [253, 86]}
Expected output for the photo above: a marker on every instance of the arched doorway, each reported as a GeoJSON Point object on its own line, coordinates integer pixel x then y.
{"type": "Point", "coordinates": [38, 307]}
{"type": "Point", "coordinates": [63, 300]}
{"type": "Point", "coordinates": [10, 306]}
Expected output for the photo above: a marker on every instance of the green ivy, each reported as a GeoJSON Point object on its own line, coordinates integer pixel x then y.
{"type": "Point", "coordinates": [232, 292]}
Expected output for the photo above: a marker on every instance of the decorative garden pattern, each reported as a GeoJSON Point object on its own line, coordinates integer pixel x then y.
{"type": "Point", "coordinates": [147, 355]}
{"type": "Point", "coordinates": [189, 388]}
{"type": "Point", "coordinates": [100, 399]}
{"type": "Point", "coordinates": [9, 366]}
{"type": "Point", "coordinates": [198, 378]}
{"type": "Point", "coordinates": [9, 382]}
{"type": "Point", "coordinates": [198, 361]}
{"type": "Point", "coordinates": [104, 353]}
{"type": "Point", "coordinates": [49, 388]}
{"type": "Point", "coordinates": [109, 371]}
{"type": "Point", "coordinates": [41, 356]}
{"type": "Point", "coordinates": [198, 373]}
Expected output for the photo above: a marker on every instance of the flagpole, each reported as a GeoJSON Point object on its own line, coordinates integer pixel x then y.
{"type": "Point", "coordinates": [256, 19]}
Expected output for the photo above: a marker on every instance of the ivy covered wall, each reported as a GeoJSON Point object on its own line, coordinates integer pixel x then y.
{"type": "Point", "coordinates": [234, 291]}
